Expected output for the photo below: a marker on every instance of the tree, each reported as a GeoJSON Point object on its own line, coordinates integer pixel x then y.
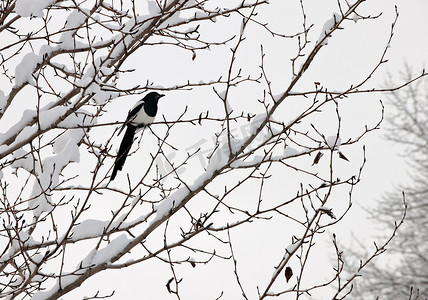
{"type": "Point", "coordinates": [406, 271]}
{"type": "Point", "coordinates": [244, 154]}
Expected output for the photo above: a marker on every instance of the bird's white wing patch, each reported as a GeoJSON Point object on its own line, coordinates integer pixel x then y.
{"type": "Point", "coordinates": [141, 117]}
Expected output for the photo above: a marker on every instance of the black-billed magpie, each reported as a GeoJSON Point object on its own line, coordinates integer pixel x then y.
{"type": "Point", "coordinates": [142, 114]}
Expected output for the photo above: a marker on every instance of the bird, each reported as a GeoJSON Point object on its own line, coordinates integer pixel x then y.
{"type": "Point", "coordinates": [141, 115]}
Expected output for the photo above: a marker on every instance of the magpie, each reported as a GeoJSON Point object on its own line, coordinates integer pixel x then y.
{"type": "Point", "coordinates": [142, 114]}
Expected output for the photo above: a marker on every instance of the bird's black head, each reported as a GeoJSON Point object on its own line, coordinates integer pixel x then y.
{"type": "Point", "coordinates": [152, 97]}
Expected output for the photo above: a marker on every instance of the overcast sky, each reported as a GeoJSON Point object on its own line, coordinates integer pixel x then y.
{"type": "Point", "coordinates": [348, 57]}
{"type": "Point", "coordinates": [350, 54]}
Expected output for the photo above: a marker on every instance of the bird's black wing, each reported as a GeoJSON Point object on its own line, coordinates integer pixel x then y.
{"type": "Point", "coordinates": [124, 148]}
{"type": "Point", "coordinates": [134, 111]}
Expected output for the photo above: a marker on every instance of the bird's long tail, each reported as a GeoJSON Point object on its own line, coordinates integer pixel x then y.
{"type": "Point", "coordinates": [124, 148]}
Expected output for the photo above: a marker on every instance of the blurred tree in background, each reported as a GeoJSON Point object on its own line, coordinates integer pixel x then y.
{"type": "Point", "coordinates": [403, 270]}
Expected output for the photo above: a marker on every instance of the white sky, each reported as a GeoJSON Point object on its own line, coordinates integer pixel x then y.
{"type": "Point", "coordinates": [349, 55]}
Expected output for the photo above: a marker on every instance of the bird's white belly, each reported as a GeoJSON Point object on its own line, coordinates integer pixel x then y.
{"type": "Point", "coordinates": [142, 118]}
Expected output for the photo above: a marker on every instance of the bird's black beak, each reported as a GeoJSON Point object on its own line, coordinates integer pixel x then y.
{"type": "Point", "coordinates": [161, 95]}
